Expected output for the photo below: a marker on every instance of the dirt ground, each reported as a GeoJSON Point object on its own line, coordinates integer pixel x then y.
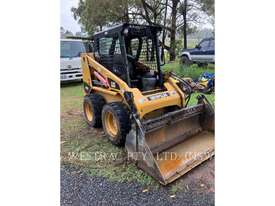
{"type": "Point", "coordinates": [81, 148]}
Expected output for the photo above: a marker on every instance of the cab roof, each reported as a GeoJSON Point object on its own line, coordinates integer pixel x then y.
{"type": "Point", "coordinates": [134, 29]}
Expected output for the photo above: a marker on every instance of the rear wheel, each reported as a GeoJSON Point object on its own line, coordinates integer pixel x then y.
{"type": "Point", "coordinates": [116, 122]}
{"type": "Point", "coordinates": [92, 107]}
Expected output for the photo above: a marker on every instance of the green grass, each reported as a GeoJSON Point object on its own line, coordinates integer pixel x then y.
{"type": "Point", "coordinates": [210, 97]}
{"type": "Point", "coordinates": [71, 97]}
{"type": "Point", "coordinates": [192, 71]}
{"type": "Point", "coordinates": [84, 146]}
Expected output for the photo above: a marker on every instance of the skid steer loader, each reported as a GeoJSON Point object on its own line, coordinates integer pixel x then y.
{"type": "Point", "coordinates": [141, 107]}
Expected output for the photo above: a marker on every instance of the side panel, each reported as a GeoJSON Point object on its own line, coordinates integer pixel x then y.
{"type": "Point", "coordinates": [110, 97]}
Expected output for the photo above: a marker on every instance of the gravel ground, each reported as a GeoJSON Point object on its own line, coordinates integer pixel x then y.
{"type": "Point", "coordinates": [77, 189]}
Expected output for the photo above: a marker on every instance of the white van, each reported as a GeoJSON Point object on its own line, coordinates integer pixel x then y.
{"type": "Point", "coordinates": [70, 65]}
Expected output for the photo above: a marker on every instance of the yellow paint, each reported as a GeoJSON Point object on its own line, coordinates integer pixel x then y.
{"type": "Point", "coordinates": [141, 101]}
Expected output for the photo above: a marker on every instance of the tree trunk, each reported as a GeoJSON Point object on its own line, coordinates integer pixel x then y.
{"type": "Point", "coordinates": [173, 31]}
{"type": "Point", "coordinates": [185, 24]}
{"type": "Point", "coordinates": [164, 31]}
{"type": "Point", "coordinates": [126, 13]}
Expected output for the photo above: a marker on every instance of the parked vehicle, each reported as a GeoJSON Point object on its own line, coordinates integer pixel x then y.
{"type": "Point", "coordinates": [70, 64]}
{"type": "Point", "coordinates": [202, 54]}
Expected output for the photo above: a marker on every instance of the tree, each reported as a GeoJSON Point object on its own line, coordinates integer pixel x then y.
{"type": "Point", "coordinates": [62, 30]}
{"type": "Point", "coordinates": [184, 14]}
{"type": "Point", "coordinates": [152, 12]}
{"type": "Point", "coordinates": [68, 33]}
{"type": "Point", "coordinates": [208, 6]}
{"type": "Point", "coordinates": [172, 15]}
{"type": "Point", "coordinates": [95, 14]}
{"type": "Point", "coordinates": [181, 13]}
{"type": "Point", "coordinates": [188, 10]}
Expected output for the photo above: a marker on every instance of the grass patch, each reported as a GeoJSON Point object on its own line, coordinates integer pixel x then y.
{"type": "Point", "coordinates": [192, 71]}
{"type": "Point", "coordinates": [71, 97]}
{"type": "Point", "coordinates": [210, 97]}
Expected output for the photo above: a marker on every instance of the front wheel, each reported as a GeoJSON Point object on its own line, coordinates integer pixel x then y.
{"type": "Point", "coordinates": [116, 122]}
{"type": "Point", "coordinates": [185, 61]}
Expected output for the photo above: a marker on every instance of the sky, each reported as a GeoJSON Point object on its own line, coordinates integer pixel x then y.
{"type": "Point", "coordinates": [67, 19]}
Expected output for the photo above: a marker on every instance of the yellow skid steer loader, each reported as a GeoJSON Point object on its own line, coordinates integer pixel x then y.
{"type": "Point", "coordinates": [142, 108]}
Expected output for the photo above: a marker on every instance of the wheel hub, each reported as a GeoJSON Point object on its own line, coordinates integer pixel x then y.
{"type": "Point", "coordinates": [111, 124]}
{"type": "Point", "coordinates": [88, 111]}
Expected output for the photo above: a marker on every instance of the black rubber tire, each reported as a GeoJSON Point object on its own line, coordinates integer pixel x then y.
{"type": "Point", "coordinates": [185, 60]}
{"type": "Point", "coordinates": [122, 117]}
{"type": "Point", "coordinates": [96, 102]}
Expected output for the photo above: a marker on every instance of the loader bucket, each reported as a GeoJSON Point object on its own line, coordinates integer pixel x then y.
{"type": "Point", "coordinates": [169, 146]}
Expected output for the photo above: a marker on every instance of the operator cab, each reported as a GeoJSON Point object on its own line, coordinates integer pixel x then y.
{"type": "Point", "coordinates": [131, 52]}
